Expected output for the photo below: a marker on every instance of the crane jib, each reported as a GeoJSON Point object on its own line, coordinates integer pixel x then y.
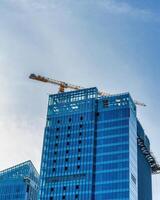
{"type": "Point", "coordinates": [63, 85]}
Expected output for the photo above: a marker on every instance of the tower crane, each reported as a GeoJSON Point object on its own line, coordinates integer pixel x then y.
{"type": "Point", "coordinates": [63, 85]}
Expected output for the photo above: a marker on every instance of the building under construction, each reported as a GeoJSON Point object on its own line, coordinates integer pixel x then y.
{"type": "Point", "coordinates": [94, 148]}
{"type": "Point", "coordinates": [20, 182]}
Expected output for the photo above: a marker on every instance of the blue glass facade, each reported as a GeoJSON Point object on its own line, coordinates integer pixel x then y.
{"type": "Point", "coordinates": [19, 182]}
{"type": "Point", "coordinates": [116, 149]}
{"type": "Point", "coordinates": [144, 169]}
{"type": "Point", "coordinates": [90, 147]}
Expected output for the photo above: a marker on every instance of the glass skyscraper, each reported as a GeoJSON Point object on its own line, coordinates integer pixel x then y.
{"type": "Point", "coordinates": [20, 182]}
{"type": "Point", "coordinates": [94, 149]}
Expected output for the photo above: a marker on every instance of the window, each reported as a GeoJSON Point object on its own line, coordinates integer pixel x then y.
{"type": "Point", "coordinates": [56, 144]}
{"type": "Point", "coordinates": [67, 151]}
{"type": "Point", "coordinates": [105, 103]}
{"type": "Point", "coordinates": [80, 126]}
{"type": "Point", "coordinates": [79, 142]}
{"type": "Point", "coordinates": [77, 187]}
{"type": "Point", "coordinates": [64, 187]}
{"type": "Point", "coordinates": [27, 188]}
{"type": "Point", "coordinates": [79, 150]}
{"type": "Point", "coordinates": [97, 114]}
{"type": "Point", "coordinates": [68, 135]}
{"type": "Point", "coordinates": [66, 159]}
{"type": "Point", "coordinates": [63, 197]}
{"type": "Point", "coordinates": [80, 133]}
{"type": "Point", "coordinates": [66, 168]}
{"type": "Point", "coordinates": [54, 161]}
{"type": "Point", "coordinates": [57, 129]}
{"type": "Point", "coordinates": [55, 152]}
{"type": "Point", "coordinates": [54, 169]}
{"type": "Point", "coordinates": [78, 166]}
{"type": "Point", "coordinates": [76, 196]}
{"type": "Point", "coordinates": [133, 178]}
{"type": "Point", "coordinates": [81, 118]}
{"type": "Point", "coordinates": [17, 189]}
{"type": "Point", "coordinates": [58, 121]}
{"type": "Point", "coordinates": [70, 119]}
{"type": "Point", "coordinates": [67, 143]}
{"type": "Point", "coordinates": [52, 189]}
{"type": "Point", "coordinates": [69, 127]}
{"type": "Point", "coordinates": [57, 136]}
{"type": "Point", "coordinates": [79, 157]}
{"type": "Point", "coordinates": [51, 198]}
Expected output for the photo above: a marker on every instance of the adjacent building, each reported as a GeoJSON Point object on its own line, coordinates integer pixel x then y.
{"type": "Point", "coordinates": [20, 182]}
{"type": "Point", "coordinates": [95, 149]}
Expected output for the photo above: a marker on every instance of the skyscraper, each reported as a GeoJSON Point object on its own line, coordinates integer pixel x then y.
{"type": "Point", "coordinates": [90, 149]}
{"type": "Point", "coordinates": [19, 182]}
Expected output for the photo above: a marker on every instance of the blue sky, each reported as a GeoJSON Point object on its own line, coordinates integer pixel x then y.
{"type": "Point", "coordinates": [111, 44]}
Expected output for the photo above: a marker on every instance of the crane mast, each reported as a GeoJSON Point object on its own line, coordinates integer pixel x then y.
{"type": "Point", "coordinates": [63, 85]}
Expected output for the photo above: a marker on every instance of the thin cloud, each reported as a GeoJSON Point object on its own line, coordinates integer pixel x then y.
{"type": "Point", "coordinates": [110, 6]}
{"type": "Point", "coordinates": [37, 5]}
{"type": "Point", "coordinates": [115, 7]}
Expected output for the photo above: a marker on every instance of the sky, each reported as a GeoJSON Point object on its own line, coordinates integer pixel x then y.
{"type": "Point", "coordinates": [111, 44]}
